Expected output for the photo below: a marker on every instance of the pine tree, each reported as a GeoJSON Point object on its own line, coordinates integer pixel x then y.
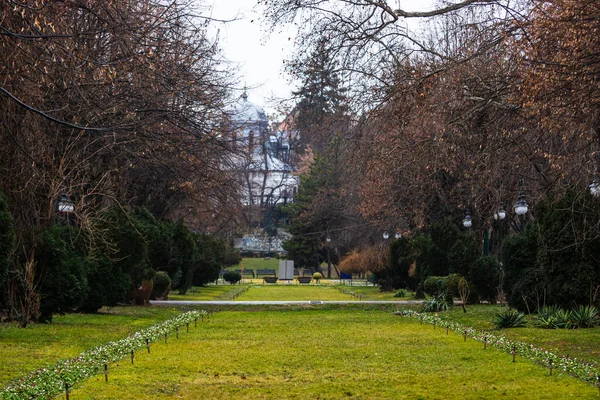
{"type": "Point", "coordinates": [321, 97]}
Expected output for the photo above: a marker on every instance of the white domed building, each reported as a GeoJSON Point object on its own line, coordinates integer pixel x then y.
{"type": "Point", "coordinates": [266, 178]}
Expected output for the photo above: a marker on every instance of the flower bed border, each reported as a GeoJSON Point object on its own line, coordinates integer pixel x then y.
{"type": "Point", "coordinates": [48, 382]}
{"type": "Point", "coordinates": [585, 371]}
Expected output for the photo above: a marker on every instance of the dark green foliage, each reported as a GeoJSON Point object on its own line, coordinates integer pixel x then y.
{"type": "Point", "coordinates": [484, 277]}
{"type": "Point", "coordinates": [435, 304]}
{"type": "Point", "coordinates": [108, 285]}
{"type": "Point", "coordinates": [162, 284]}
{"type": "Point", "coordinates": [125, 234]}
{"type": "Point", "coordinates": [463, 254]}
{"type": "Point", "coordinates": [555, 318]}
{"type": "Point", "coordinates": [570, 246]}
{"type": "Point", "coordinates": [509, 318]}
{"type": "Point", "coordinates": [61, 270]}
{"type": "Point", "coordinates": [523, 279]}
{"type": "Point", "coordinates": [158, 236]}
{"type": "Point", "coordinates": [585, 316]}
{"type": "Point", "coordinates": [446, 286]}
{"type": "Point", "coordinates": [396, 276]}
{"type": "Point", "coordinates": [556, 259]}
{"type": "Point", "coordinates": [232, 277]}
{"type": "Point", "coordinates": [401, 293]}
{"type": "Point", "coordinates": [213, 254]}
{"type": "Point", "coordinates": [184, 255]}
{"type": "Point", "coordinates": [453, 252]}
{"type": "Point", "coordinates": [7, 239]}
{"type": "Point", "coordinates": [305, 247]}
{"type": "Point", "coordinates": [435, 285]}
{"type": "Point", "coordinates": [321, 97]}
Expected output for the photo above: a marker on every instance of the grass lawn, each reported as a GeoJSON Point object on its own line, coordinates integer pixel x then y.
{"type": "Point", "coordinates": [583, 344]}
{"type": "Point", "coordinates": [320, 354]}
{"type": "Point", "coordinates": [373, 293]}
{"type": "Point", "coordinates": [34, 347]}
{"type": "Point", "coordinates": [204, 293]}
{"type": "Point", "coordinates": [293, 292]}
{"type": "Point", "coordinates": [258, 263]}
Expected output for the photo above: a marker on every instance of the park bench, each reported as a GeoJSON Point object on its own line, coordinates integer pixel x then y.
{"type": "Point", "coordinates": [270, 279]}
{"type": "Point", "coordinates": [265, 272]}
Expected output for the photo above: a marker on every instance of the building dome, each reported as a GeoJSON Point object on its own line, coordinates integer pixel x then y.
{"type": "Point", "coordinates": [246, 112]}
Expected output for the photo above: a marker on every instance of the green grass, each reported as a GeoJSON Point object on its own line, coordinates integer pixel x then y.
{"type": "Point", "coordinates": [258, 263]}
{"type": "Point", "coordinates": [26, 349]}
{"type": "Point", "coordinates": [373, 293]}
{"type": "Point", "coordinates": [205, 293]}
{"type": "Point", "coordinates": [578, 343]}
{"type": "Point", "coordinates": [308, 354]}
{"type": "Point", "coordinates": [293, 293]}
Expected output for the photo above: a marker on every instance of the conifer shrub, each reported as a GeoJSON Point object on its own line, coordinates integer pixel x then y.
{"type": "Point", "coordinates": [162, 285]}
{"type": "Point", "coordinates": [232, 277]}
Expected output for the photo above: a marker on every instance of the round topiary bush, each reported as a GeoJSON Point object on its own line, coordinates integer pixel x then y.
{"type": "Point", "coordinates": [317, 276]}
{"type": "Point", "coordinates": [232, 277]}
{"type": "Point", "coordinates": [162, 285]}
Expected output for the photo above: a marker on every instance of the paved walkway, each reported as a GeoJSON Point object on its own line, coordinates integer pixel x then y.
{"type": "Point", "coordinates": [282, 302]}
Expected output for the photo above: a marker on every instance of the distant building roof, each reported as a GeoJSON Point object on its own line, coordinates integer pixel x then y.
{"type": "Point", "coordinates": [246, 112]}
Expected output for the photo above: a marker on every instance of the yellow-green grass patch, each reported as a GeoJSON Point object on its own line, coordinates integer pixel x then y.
{"type": "Point", "coordinates": [326, 355]}
{"type": "Point", "coordinates": [203, 293]}
{"type": "Point", "coordinates": [23, 350]}
{"type": "Point", "coordinates": [293, 293]}
{"type": "Point", "coordinates": [582, 344]}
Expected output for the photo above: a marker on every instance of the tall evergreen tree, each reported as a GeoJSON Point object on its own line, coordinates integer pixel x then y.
{"type": "Point", "coordinates": [321, 97]}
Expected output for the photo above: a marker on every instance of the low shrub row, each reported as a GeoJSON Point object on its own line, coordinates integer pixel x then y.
{"type": "Point", "coordinates": [48, 382]}
{"type": "Point", "coordinates": [587, 372]}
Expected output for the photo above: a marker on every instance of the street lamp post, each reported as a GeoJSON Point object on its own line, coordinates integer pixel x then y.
{"type": "Point", "coordinates": [328, 241]}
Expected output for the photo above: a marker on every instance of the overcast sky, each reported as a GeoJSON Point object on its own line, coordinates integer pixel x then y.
{"type": "Point", "coordinates": [259, 56]}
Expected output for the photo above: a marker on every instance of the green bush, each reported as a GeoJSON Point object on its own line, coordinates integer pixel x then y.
{"type": "Point", "coordinates": [569, 227]}
{"type": "Point", "coordinates": [401, 293]}
{"type": "Point", "coordinates": [232, 277]}
{"type": "Point", "coordinates": [435, 304]}
{"type": "Point", "coordinates": [213, 254]}
{"type": "Point", "coordinates": [162, 285]}
{"type": "Point", "coordinates": [443, 285]}
{"type": "Point", "coordinates": [555, 318]}
{"type": "Point", "coordinates": [484, 277]}
{"type": "Point", "coordinates": [523, 279]}
{"type": "Point", "coordinates": [61, 270]}
{"type": "Point", "coordinates": [395, 275]}
{"type": "Point", "coordinates": [7, 239]}
{"type": "Point", "coordinates": [584, 316]}
{"type": "Point", "coordinates": [509, 318]}
{"type": "Point", "coordinates": [108, 285]}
